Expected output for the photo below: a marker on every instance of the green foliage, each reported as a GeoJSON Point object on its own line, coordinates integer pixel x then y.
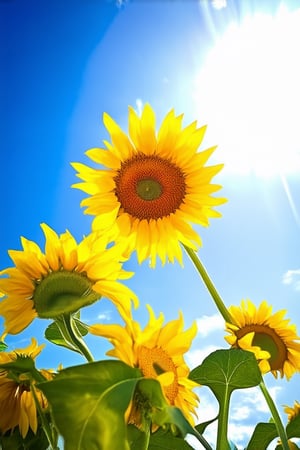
{"type": "Point", "coordinates": [160, 440]}
{"type": "Point", "coordinates": [263, 435]}
{"type": "Point", "coordinates": [54, 333]}
{"type": "Point", "coordinates": [293, 428]}
{"type": "Point", "coordinates": [223, 371]}
{"type": "Point", "coordinates": [89, 402]}
{"type": "Point", "coordinates": [14, 441]}
{"type": "Point", "coordinates": [3, 346]}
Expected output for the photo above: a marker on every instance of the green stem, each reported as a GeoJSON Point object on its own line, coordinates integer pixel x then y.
{"type": "Point", "coordinates": [76, 338]}
{"type": "Point", "coordinates": [276, 417]}
{"type": "Point", "coordinates": [202, 440]}
{"type": "Point", "coordinates": [45, 424]}
{"type": "Point", "coordinates": [209, 285]}
{"type": "Point", "coordinates": [222, 439]}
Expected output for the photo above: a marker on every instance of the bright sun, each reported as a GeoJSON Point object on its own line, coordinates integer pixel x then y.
{"type": "Point", "coordinates": [248, 91]}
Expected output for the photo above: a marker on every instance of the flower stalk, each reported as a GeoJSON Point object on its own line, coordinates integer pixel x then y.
{"type": "Point", "coordinates": [209, 284]}
{"type": "Point", "coordinates": [72, 336]}
{"type": "Point", "coordinates": [50, 434]}
{"type": "Point", "coordinates": [276, 417]}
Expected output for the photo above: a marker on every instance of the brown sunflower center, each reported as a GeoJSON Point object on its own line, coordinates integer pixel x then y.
{"type": "Point", "coordinates": [150, 187]}
{"type": "Point", "coordinates": [154, 362]}
{"type": "Point", "coordinates": [267, 339]}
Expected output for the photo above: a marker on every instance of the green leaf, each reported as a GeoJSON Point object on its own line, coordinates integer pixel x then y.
{"type": "Point", "coordinates": [226, 370]}
{"type": "Point", "coordinates": [263, 434]}
{"type": "Point", "coordinates": [293, 428]}
{"type": "Point", "coordinates": [14, 441]}
{"type": "Point", "coordinates": [162, 414]}
{"type": "Point", "coordinates": [54, 334]}
{"type": "Point", "coordinates": [3, 346]}
{"type": "Point", "coordinates": [160, 440]}
{"type": "Point", "coordinates": [89, 402]}
{"type": "Point", "coordinates": [202, 426]}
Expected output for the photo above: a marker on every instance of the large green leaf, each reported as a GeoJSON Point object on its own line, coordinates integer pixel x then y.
{"type": "Point", "coordinates": [89, 403]}
{"type": "Point", "coordinates": [160, 440]}
{"type": "Point", "coordinates": [293, 428]}
{"type": "Point", "coordinates": [262, 436]}
{"type": "Point", "coordinates": [226, 370]}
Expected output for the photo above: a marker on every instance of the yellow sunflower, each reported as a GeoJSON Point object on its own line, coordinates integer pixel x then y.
{"type": "Point", "coordinates": [60, 281]}
{"type": "Point", "coordinates": [292, 411]}
{"type": "Point", "coordinates": [153, 186]}
{"type": "Point", "coordinates": [17, 405]}
{"type": "Point", "coordinates": [157, 351]}
{"type": "Point", "coordinates": [272, 339]}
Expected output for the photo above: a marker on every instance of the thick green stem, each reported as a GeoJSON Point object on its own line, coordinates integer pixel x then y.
{"type": "Point", "coordinates": [51, 436]}
{"type": "Point", "coordinates": [76, 338]}
{"type": "Point", "coordinates": [276, 417]}
{"type": "Point", "coordinates": [222, 439]}
{"type": "Point", "coordinates": [209, 284]}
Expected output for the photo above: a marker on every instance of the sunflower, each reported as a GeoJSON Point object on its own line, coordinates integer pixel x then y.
{"type": "Point", "coordinates": [61, 280]}
{"type": "Point", "coordinates": [17, 405]}
{"type": "Point", "coordinates": [157, 351]}
{"type": "Point", "coordinates": [270, 337]}
{"type": "Point", "coordinates": [292, 411]}
{"type": "Point", "coordinates": [153, 186]}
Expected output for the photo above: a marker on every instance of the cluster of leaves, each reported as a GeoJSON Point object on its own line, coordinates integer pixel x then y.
{"type": "Point", "coordinates": [89, 403]}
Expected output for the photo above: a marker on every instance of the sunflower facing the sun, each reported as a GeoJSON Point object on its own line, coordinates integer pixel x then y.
{"type": "Point", "coordinates": [153, 185]}
{"type": "Point", "coordinates": [157, 351]}
{"type": "Point", "coordinates": [270, 337]}
{"type": "Point", "coordinates": [60, 281]}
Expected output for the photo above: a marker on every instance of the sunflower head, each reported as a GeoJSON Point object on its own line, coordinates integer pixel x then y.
{"type": "Point", "coordinates": [270, 337]}
{"type": "Point", "coordinates": [62, 279]}
{"type": "Point", "coordinates": [292, 411]}
{"type": "Point", "coordinates": [157, 351]}
{"type": "Point", "coordinates": [152, 186]}
{"type": "Point", "coordinates": [17, 377]}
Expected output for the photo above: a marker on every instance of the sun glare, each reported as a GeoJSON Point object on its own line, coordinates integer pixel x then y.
{"type": "Point", "coordinates": [248, 91]}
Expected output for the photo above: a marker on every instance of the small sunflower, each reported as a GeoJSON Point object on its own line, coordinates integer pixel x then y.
{"type": "Point", "coordinates": [157, 351]}
{"type": "Point", "coordinates": [292, 411]}
{"type": "Point", "coordinates": [60, 281]}
{"type": "Point", "coordinates": [153, 186]}
{"type": "Point", "coordinates": [270, 337]}
{"type": "Point", "coordinates": [17, 405]}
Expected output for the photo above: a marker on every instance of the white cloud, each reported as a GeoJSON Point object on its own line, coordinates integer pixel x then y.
{"type": "Point", "coordinates": [292, 277]}
{"type": "Point", "coordinates": [105, 316]}
{"type": "Point", "coordinates": [196, 357]}
{"type": "Point", "coordinates": [219, 4]}
{"type": "Point", "coordinates": [139, 104]}
{"type": "Point", "coordinates": [208, 324]}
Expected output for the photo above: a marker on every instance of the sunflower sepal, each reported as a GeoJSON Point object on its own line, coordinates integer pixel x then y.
{"type": "Point", "coordinates": [23, 367]}
{"type": "Point", "coordinates": [63, 292]}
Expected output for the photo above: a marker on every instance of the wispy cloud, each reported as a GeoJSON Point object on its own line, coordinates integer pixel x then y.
{"type": "Point", "coordinates": [292, 277]}
{"type": "Point", "coordinates": [139, 105]}
{"type": "Point", "coordinates": [195, 357]}
{"type": "Point", "coordinates": [209, 324]}
{"type": "Point", "coordinates": [219, 4]}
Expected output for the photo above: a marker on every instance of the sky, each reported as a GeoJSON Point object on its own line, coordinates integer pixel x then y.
{"type": "Point", "coordinates": [232, 65]}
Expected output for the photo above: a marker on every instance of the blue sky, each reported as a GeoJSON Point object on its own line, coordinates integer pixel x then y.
{"type": "Point", "coordinates": [232, 65]}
